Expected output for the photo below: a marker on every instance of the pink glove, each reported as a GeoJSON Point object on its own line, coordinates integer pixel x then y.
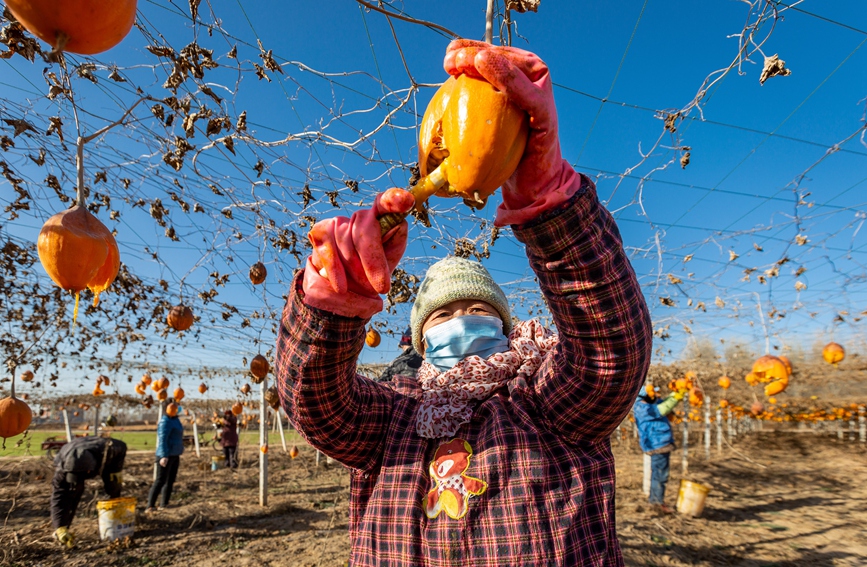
{"type": "Point", "coordinates": [351, 263]}
{"type": "Point", "coordinates": [543, 179]}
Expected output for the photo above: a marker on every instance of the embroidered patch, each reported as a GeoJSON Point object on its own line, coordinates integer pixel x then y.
{"type": "Point", "coordinates": [450, 487]}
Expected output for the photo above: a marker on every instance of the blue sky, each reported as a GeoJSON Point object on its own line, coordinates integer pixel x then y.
{"type": "Point", "coordinates": [756, 151]}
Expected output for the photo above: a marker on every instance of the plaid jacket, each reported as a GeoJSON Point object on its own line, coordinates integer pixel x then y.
{"type": "Point", "coordinates": [530, 479]}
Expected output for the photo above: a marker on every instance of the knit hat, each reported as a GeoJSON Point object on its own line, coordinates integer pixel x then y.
{"type": "Point", "coordinates": [406, 338]}
{"type": "Point", "coordinates": [451, 279]}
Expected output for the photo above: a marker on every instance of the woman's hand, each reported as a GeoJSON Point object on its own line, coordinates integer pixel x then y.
{"type": "Point", "coordinates": [352, 261]}
{"type": "Point", "coordinates": [543, 179]}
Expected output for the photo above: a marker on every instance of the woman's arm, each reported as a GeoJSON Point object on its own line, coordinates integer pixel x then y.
{"type": "Point", "coordinates": [336, 411]}
{"type": "Point", "coordinates": [586, 388]}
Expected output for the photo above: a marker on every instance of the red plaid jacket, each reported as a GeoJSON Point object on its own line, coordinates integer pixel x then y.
{"type": "Point", "coordinates": [531, 479]}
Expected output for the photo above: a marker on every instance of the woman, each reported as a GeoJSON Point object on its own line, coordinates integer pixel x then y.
{"type": "Point", "coordinates": [170, 446]}
{"type": "Point", "coordinates": [229, 438]}
{"type": "Point", "coordinates": [498, 453]}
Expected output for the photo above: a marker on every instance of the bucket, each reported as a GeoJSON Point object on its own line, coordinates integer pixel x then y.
{"type": "Point", "coordinates": [116, 518]}
{"type": "Point", "coordinates": [690, 499]}
{"type": "Point", "coordinates": [216, 460]}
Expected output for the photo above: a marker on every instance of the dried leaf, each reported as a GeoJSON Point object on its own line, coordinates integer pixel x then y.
{"type": "Point", "coordinates": [774, 67]}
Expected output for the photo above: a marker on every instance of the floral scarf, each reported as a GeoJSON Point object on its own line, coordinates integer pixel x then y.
{"type": "Point", "coordinates": [447, 397]}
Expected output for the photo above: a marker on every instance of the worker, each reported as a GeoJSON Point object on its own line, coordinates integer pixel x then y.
{"type": "Point", "coordinates": [656, 438]}
{"type": "Point", "coordinates": [501, 454]}
{"type": "Point", "coordinates": [81, 459]}
{"type": "Point", "coordinates": [407, 362]}
{"type": "Point", "coordinates": [170, 447]}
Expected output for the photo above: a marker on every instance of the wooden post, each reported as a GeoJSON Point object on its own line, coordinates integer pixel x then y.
{"type": "Point", "coordinates": [719, 430]}
{"type": "Point", "coordinates": [68, 428]}
{"type": "Point", "coordinates": [159, 418]}
{"type": "Point", "coordinates": [279, 421]}
{"type": "Point", "coordinates": [96, 420]}
{"type": "Point", "coordinates": [840, 429]}
{"type": "Point", "coordinates": [196, 435]}
{"type": "Point", "coordinates": [862, 425]}
{"type": "Point", "coordinates": [852, 428]}
{"type": "Point", "coordinates": [645, 483]}
{"type": "Point", "coordinates": [707, 428]}
{"type": "Point", "coordinates": [685, 461]}
{"type": "Point", "coordinates": [263, 441]}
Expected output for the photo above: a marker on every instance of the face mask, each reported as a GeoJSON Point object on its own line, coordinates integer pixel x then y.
{"type": "Point", "coordinates": [452, 341]}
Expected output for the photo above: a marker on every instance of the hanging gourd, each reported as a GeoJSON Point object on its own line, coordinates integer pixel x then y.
{"type": "Point", "coordinates": [259, 368]}
{"type": "Point", "coordinates": [724, 382]}
{"type": "Point", "coordinates": [237, 408]}
{"type": "Point", "coordinates": [78, 252]}
{"type": "Point", "coordinates": [372, 338]}
{"type": "Point", "coordinates": [833, 354]}
{"type": "Point", "coordinates": [272, 398]}
{"type": "Point", "coordinates": [27, 376]}
{"type": "Point", "coordinates": [86, 27]}
{"type": "Point", "coordinates": [180, 318]}
{"type": "Point", "coordinates": [203, 388]}
{"type": "Point", "coordinates": [15, 415]}
{"type": "Point", "coordinates": [245, 389]}
{"type": "Point", "coordinates": [178, 394]}
{"type": "Point", "coordinates": [172, 409]}
{"type": "Point", "coordinates": [475, 135]}
{"type": "Point", "coordinates": [293, 452]}
{"type": "Point", "coordinates": [258, 273]}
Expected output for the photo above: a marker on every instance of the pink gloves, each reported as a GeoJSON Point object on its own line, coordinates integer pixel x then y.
{"type": "Point", "coordinates": [543, 179]}
{"type": "Point", "coordinates": [351, 262]}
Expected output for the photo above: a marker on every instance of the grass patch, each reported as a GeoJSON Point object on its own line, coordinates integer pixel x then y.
{"type": "Point", "coordinates": [30, 443]}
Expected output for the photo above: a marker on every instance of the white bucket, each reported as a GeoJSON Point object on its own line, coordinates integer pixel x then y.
{"type": "Point", "coordinates": [691, 498]}
{"type": "Point", "coordinates": [116, 518]}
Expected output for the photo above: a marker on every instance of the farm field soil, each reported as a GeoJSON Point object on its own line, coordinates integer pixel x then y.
{"type": "Point", "coordinates": [778, 499]}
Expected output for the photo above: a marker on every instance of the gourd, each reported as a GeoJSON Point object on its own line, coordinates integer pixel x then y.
{"type": "Point", "coordinates": [258, 273]}
{"type": "Point", "coordinates": [78, 252]}
{"type": "Point", "coordinates": [259, 368]}
{"type": "Point", "coordinates": [237, 408]}
{"type": "Point", "coordinates": [372, 338]}
{"type": "Point", "coordinates": [833, 353]}
{"type": "Point", "coordinates": [86, 27]}
{"type": "Point", "coordinates": [724, 382]}
{"type": "Point", "coordinates": [172, 410]}
{"type": "Point", "coordinates": [180, 318]}
{"type": "Point", "coordinates": [179, 394]}
{"type": "Point", "coordinates": [203, 388]}
{"type": "Point", "coordinates": [476, 133]}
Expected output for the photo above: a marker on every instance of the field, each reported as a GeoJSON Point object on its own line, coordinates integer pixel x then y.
{"type": "Point", "coordinates": [779, 498]}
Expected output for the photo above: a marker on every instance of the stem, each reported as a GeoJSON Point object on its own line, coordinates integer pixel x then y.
{"type": "Point", "coordinates": [507, 20]}
{"type": "Point", "coordinates": [407, 18]}
{"type": "Point", "coordinates": [489, 22]}
{"type": "Point", "coordinates": [79, 168]}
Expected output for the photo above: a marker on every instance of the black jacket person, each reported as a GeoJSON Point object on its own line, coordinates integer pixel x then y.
{"type": "Point", "coordinates": [77, 461]}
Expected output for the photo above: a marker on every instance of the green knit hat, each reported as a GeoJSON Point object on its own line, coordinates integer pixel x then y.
{"type": "Point", "coordinates": [454, 278]}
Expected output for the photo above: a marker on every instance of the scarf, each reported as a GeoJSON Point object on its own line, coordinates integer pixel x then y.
{"type": "Point", "coordinates": [448, 398]}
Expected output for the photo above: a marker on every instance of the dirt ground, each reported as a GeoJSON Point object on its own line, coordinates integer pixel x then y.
{"type": "Point", "coordinates": [778, 499]}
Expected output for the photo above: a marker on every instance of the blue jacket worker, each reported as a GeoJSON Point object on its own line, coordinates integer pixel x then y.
{"type": "Point", "coordinates": [170, 446]}
{"type": "Point", "coordinates": [656, 438]}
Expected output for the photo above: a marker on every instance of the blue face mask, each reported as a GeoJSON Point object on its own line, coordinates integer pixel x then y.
{"type": "Point", "coordinates": [450, 342]}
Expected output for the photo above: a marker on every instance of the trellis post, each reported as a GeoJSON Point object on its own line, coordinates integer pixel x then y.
{"type": "Point", "coordinates": [685, 460]}
{"type": "Point", "coordinates": [66, 424]}
{"type": "Point", "coordinates": [263, 442]}
{"type": "Point", "coordinates": [719, 429]}
{"type": "Point", "coordinates": [645, 483]}
{"type": "Point", "coordinates": [279, 421]}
